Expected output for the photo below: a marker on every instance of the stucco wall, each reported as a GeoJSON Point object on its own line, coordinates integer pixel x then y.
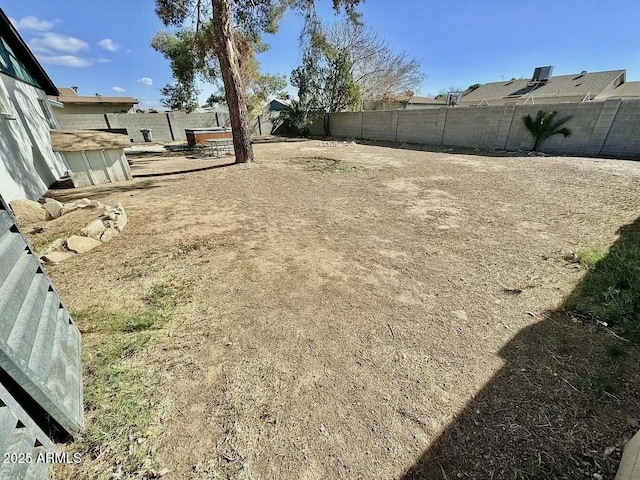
{"type": "Point", "coordinates": [609, 128]}
{"type": "Point", "coordinates": [28, 165]}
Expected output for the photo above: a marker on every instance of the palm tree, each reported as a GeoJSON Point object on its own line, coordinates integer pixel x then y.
{"type": "Point", "coordinates": [544, 127]}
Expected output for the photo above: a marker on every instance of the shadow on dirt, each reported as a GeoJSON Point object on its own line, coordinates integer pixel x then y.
{"type": "Point", "coordinates": [566, 400]}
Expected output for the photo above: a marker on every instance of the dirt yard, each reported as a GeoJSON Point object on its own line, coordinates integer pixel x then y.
{"type": "Point", "coordinates": [354, 311]}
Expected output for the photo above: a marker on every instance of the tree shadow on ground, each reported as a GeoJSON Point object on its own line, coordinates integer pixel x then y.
{"type": "Point", "coordinates": [69, 194]}
{"type": "Point", "coordinates": [179, 172]}
{"type": "Point", "coordinates": [568, 397]}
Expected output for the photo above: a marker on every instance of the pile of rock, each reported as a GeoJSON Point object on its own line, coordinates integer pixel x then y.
{"type": "Point", "coordinates": [111, 223]}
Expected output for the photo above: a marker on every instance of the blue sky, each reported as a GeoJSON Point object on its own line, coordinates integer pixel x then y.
{"type": "Point", "coordinates": [102, 46]}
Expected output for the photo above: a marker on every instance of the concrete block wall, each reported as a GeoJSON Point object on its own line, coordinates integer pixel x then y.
{"type": "Point", "coordinates": [157, 122]}
{"type": "Point", "coordinates": [477, 127]}
{"type": "Point", "coordinates": [610, 128]}
{"type": "Point", "coordinates": [582, 125]}
{"type": "Point", "coordinates": [380, 125]}
{"type": "Point", "coordinates": [179, 121]}
{"type": "Point", "coordinates": [346, 124]}
{"type": "Point", "coordinates": [419, 126]}
{"type": "Point", "coordinates": [165, 127]}
{"type": "Point", "coordinates": [89, 121]}
{"type": "Point", "coordinates": [623, 138]}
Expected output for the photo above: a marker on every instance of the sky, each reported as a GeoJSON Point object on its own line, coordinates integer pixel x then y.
{"type": "Point", "coordinates": [104, 47]}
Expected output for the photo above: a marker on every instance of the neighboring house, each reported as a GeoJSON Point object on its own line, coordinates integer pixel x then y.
{"type": "Point", "coordinates": [403, 102]}
{"type": "Point", "coordinates": [277, 105]}
{"type": "Point", "coordinates": [79, 104]}
{"type": "Point", "coordinates": [626, 90]}
{"type": "Point", "coordinates": [28, 165]}
{"type": "Point", "coordinates": [574, 88]}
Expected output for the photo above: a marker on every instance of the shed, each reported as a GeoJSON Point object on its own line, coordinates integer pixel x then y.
{"type": "Point", "coordinates": [93, 157]}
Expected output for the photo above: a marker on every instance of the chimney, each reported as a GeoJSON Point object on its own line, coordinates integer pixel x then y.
{"type": "Point", "coordinates": [75, 89]}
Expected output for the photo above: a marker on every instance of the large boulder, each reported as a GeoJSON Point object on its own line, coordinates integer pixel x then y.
{"type": "Point", "coordinates": [56, 257]}
{"type": "Point", "coordinates": [79, 244]}
{"type": "Point", "coordinates": [53, 207]}
{"type": "Point", "coordinates": [28, 212]}
{"type": "Point", "coordinates": [95, 229]}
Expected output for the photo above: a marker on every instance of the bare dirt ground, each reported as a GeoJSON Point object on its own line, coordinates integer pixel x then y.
{"type": "Point", "coordinates": [357, 311]}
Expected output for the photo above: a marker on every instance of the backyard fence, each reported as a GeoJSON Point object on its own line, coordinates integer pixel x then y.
{"type": "Point", "coordinates": [609, 128]}
{"type": "Point", "coordinates": [165, 126]}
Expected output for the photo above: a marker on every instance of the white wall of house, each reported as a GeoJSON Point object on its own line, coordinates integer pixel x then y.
{"type": "Point", "coordinates": [28, 165]}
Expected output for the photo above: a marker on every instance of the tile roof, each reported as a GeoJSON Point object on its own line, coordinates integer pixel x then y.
{"type": "Point", "coordinates": [626, 90]}
{"type": "Point", "coordinates": [69, 95]}
{"type": "Point", "coordinates": [562, 85]}
{"type": "Point", "coordinates": [413, 100]}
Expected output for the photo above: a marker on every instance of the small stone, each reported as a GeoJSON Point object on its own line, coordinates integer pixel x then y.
{"type": "Point", "coordinates": [121, 221]}
{"type": "Point", "coordinates": [53, 207]}
{"type": "Point", "coordinates": [56, 257]}
{"type": "Point", "coordinates": [68, 207]}
{"type": "Point", "coordinates": [28, 211]}
{"type": "Point", "coordinates": [95, 229]}
{"type": "Point", "coordinates": [108, 235]}
{"type": "Point", "coordinates": [79, 244]}
{"type": "Point", "coordinates": [84, 201]}
{"type": "Point", "coordinates": [55, 246]}
{"type": "Point", "coordinates": [609, 450]}
{"type": "Point", "coordinates": [597, 476]}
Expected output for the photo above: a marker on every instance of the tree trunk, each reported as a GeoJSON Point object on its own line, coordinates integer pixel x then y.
{"type": "Point", "coordinates": [233, 87]}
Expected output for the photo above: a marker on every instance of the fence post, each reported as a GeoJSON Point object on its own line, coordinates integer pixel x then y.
{"type": "Point", "coordinates": [396, 115]}
{"type": "Point", "coordinates": [217, 121]}
{"type": "Point", "coordinates": [361, 120]}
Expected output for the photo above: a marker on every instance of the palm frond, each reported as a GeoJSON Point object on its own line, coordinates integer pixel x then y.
{"type": "Point", "coordinates": [544, 126]}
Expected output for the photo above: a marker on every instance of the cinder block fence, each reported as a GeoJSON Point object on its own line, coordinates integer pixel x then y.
{"type": "Point", "coordinates": [609, 128]}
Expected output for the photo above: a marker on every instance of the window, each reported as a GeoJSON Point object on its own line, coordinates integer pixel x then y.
{"type": "Point", "coordinates": [46, 110]}
{"type": "Point", "coordinates": [10, 65]}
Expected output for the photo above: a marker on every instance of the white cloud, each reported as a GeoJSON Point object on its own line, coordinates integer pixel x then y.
{"type": "Point", "coordinates": [145, 81]}
{"type": "Point", "coordinates": [71, 60]}
{"type": "Point", "coordinates": [66, 60]}
{"type": "Point", "coordinates": [32, 23]}
{"type": "Point", "coordinates": [118, 89]}
{"type": "Point", "coordinates": [50, 42]}
{"type": "Point", "coordinates": [109, 44]}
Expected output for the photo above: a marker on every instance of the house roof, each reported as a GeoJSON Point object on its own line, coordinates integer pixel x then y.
{"type": "Point", "coordinates": [413, 100]}
{"type": "Point", "coordinates": [70, 96]}
{"type": "Point", "coordinates": [24, 54]}
{"type": "Point", "coordinates": [285, 103]}
{"type": "Point", "coordinates": [558, 86]}
{"type": "Point", "coordinates": [626, 90]}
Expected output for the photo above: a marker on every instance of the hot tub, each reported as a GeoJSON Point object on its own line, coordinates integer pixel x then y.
{"type": "Point", "coordinates": [199, 136]}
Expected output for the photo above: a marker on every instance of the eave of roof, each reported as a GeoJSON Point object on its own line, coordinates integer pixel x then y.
{"type": "Point", "coordinates": [78, 100]}
{"type": "Point", "coordinates": [22, 51]}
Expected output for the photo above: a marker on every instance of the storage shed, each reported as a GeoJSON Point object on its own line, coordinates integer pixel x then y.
{"type": "Point", "coordinates": [93, 157]}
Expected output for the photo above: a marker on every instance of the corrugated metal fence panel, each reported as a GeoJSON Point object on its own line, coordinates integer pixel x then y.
{"type": "Point", "coordinates": [39, 343]}
{"type": "Point", "coordinates": [25, 450]}
{"type": "Point", "coordinates": [97, 167]}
